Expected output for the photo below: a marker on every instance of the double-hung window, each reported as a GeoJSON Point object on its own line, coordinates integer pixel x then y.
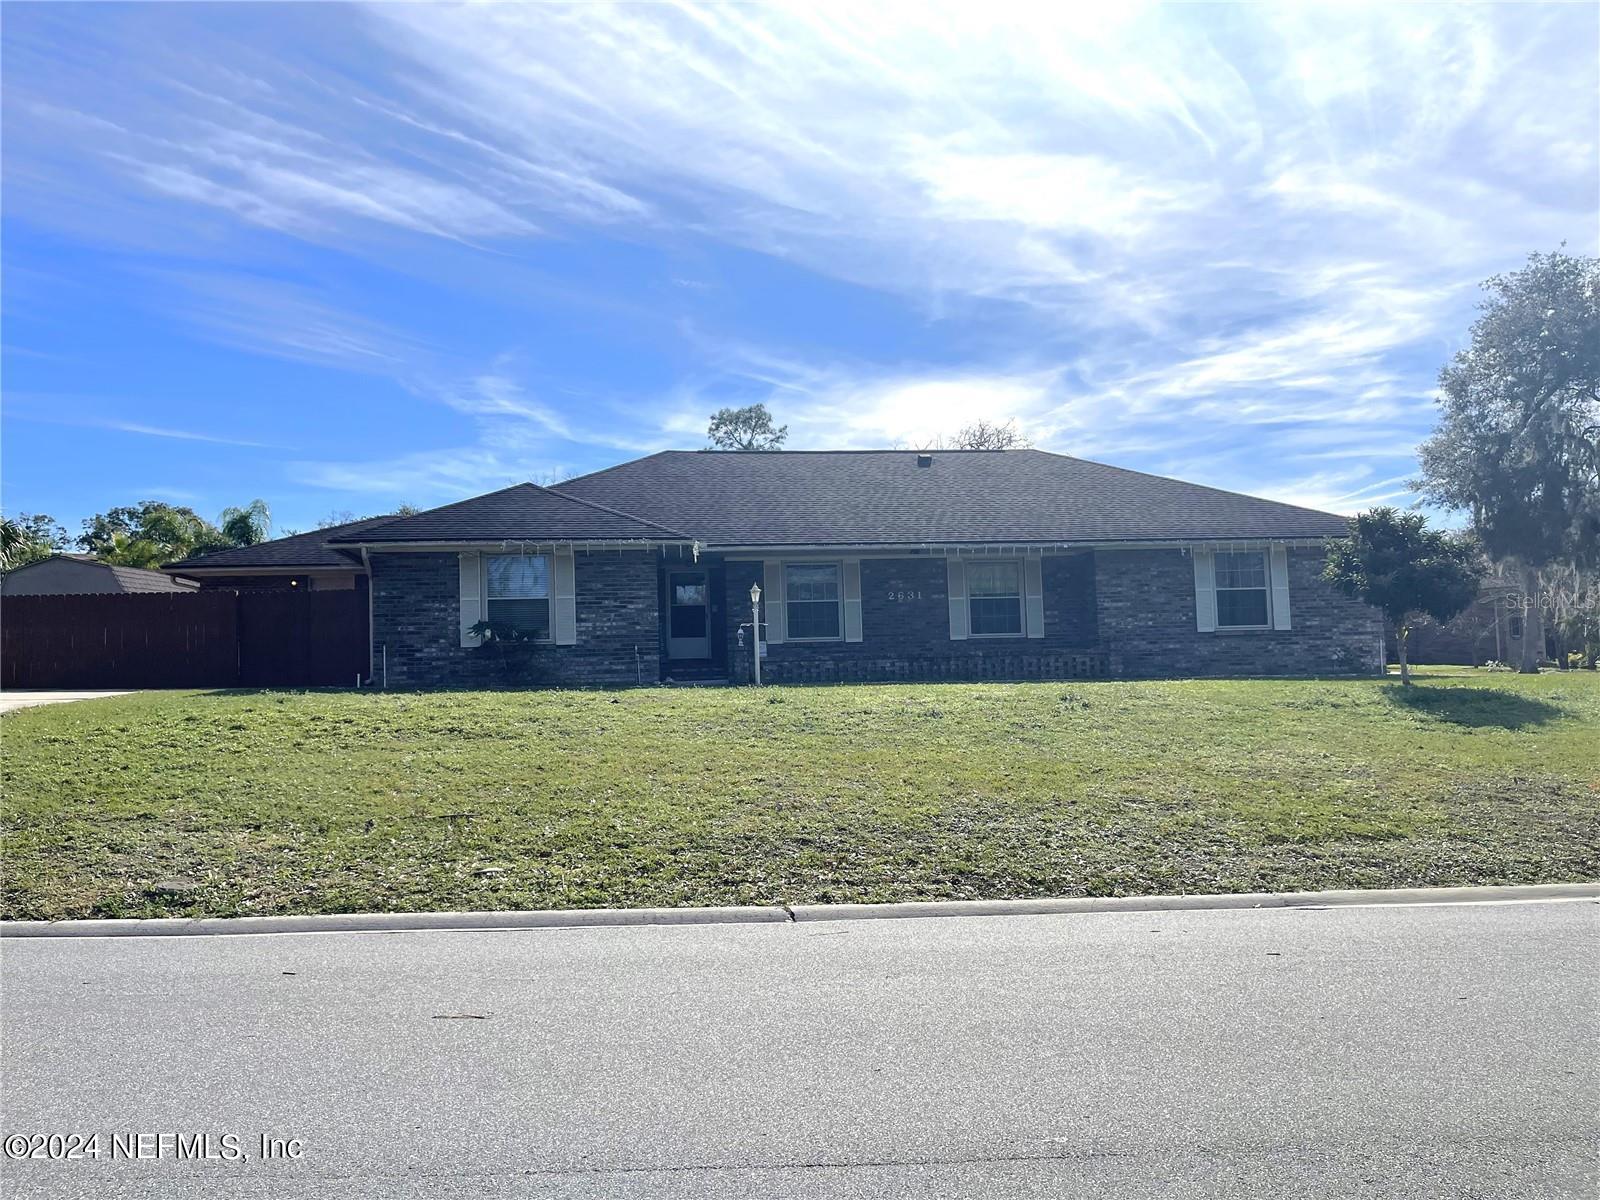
{"type": "Point", "coordinates": [519, 594]}
{"type": "Point", "coordinates": [812, 602]}
{"type": "Point", "coordinates": [1242, 589]}
{"type": "Point", "coordinates": [994, 598]}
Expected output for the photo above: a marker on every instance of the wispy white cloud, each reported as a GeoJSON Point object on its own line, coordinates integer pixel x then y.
{"type": "Point", "coordinates": [517, 435]}
{"type": "Point", "coordinates": [433, 476]}
{"type": "Point", "coordinates": [1228, 242]}
{"type": "Point", "coordinates": [852, 405]}
{"type": "Point", "coordinates": [182, 435]}
{"type": "Point", "coordinates": [119, 425]}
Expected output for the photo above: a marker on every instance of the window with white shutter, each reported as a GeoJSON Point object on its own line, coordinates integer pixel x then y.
{"type": "Point", "coordinates": [1242, 594]}
{"type": "Point", "coordinates": [518, 595]}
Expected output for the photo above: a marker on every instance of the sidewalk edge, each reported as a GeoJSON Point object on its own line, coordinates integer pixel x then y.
{"type": "Point", "coordinates": [777, 914]}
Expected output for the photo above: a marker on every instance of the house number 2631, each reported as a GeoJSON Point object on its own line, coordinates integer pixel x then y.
{"type": "Point", "coordinates": [901, 597]}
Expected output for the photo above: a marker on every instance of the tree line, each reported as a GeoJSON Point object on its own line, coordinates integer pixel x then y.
{"type": "Point", "coordinates": [148, 533]}
{"type": "Point", "coordinates": [1517, 447]}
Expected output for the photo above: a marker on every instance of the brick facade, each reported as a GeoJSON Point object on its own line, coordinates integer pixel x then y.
{"type": "Point", "coordinates": [416, 626]}
{"type": "Point", "coordinates": [1108, 612]}
{"type": "Point", "coordinates": [905, 628]}
{"type": "Point", "coordinates": [1146, 609]}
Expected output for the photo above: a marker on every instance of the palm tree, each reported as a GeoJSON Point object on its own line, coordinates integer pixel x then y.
{"type": "Point", "coordinates": [248, 525]}
{"type": "Point", "coordinates": [14, 542]}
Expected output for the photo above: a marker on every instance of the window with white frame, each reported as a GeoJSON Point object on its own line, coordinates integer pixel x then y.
{"type": "Point", "coordinates": [518, 594]}
{"type": "Point", "coordinates": [812, 602]}
{"type": "Point", "coordinates": [994, 598]}
{"type": "Point", "coordinates": [1241, 589]}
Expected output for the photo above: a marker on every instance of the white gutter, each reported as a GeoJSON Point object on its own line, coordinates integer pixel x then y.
{"type": "Point", "coordinates": [947, 549]}
{"type": "Point", "coordinates": [354, 567]}
{"type": "Point", "coordinates": [513, 544]}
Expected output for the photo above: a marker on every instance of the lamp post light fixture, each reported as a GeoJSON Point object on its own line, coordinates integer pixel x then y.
{"type": "Point", "coordinates": [755, 630]}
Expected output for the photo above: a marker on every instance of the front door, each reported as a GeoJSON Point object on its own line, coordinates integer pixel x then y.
{"type": "Point", "coordinates": [688, 616]}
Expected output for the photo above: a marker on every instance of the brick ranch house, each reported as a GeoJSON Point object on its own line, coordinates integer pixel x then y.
{"type": "Point", "coordinates": [872, 565]}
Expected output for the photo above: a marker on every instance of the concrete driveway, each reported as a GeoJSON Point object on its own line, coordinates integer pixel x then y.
{"type": "Point", "coordinates": [1431, 1052]}
{"type": "Point", "coordinates": [11, 701]}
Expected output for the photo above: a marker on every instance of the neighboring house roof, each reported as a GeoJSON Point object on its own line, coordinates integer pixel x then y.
{"type": "Point", "coordinates": [302, 550]}
{"type": "Point", "coordinates": [522, 512]}
{"type": "Point", "coordinates": [77, 574]}
{"type": "Point", "coordinates": [882, 497]}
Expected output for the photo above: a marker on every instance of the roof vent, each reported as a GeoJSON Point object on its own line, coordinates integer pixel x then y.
{"type": "Point", "coordinates": [924, 460]}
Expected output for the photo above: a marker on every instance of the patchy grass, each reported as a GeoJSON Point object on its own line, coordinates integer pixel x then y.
{"type": "Point", "coordinates": [277, 802]}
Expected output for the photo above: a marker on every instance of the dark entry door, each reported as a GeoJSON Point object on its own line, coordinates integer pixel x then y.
{"type": "Point", "coordinates": [688, 615]}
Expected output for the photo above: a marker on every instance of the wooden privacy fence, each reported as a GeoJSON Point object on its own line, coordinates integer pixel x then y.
{"type": "Point", "coordinates": [216, 638]}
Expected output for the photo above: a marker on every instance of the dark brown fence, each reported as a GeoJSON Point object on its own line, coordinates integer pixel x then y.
{"type": "Point", "coordinates": [217, 638]}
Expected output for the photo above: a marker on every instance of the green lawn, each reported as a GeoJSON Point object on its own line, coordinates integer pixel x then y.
{"type": "Point", "coordinates": [277, 802]}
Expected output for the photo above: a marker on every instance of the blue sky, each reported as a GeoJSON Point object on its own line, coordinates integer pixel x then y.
{"type": "Point", "coordinates": [346, 257]}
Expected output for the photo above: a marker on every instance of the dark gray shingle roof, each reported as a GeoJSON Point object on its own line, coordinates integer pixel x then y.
{"type": "Point", "coordinates": [522, 512]}
{"type": "Point", "coordinates": [833, 497]}
{"type": "Point", "coordinates": [882, 497]}
{"type": "Point", "coordinates": [301, 550]}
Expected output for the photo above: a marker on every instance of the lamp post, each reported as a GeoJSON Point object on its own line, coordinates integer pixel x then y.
{"type": "Point", "coordinates": [755, 630]}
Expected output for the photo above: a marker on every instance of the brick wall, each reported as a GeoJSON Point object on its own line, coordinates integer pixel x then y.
{"type": "Point", "coordinates": [1110, 612]}
{"type": "Point", "coordinates": [416, 615]}
{"type": "Point", "coordinates": [1147, 622]}
{"type": "Point", "coordinates": [905, 627]}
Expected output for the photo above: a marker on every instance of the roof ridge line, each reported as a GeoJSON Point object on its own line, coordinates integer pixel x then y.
{"type": "Point", "coordinates": [510, 487]}
{"type": "Point", "coordinates": [833, 450]}
{"type": "Point", "coordinates": [618, 466]}
{"type": "Point", "coordinates": [616, 512]}
{"type": "Point", "coordinates": [1205, 487]}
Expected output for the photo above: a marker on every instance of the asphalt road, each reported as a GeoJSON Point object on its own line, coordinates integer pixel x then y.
{"type": "Point", "coordinates": [1383, 1052]}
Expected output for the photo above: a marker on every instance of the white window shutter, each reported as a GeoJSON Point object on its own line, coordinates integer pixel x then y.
{"type": "Point", "coordinates": [957, 575]}
{"type": "Point", "coordinates": [1033, 595]}
{"type": "Point", "coordinates": [1205, 592]}
{"type": "Point", "coordinates": [852, 599]}
{"type": "Point", "coordinates": [472, 605]}
{"type": "Point", "coordinates": [772, 601]}
{"type": "Point", "coordinates": [563, 598]}
{"type": "Point", "coordinates": [1280, 587]}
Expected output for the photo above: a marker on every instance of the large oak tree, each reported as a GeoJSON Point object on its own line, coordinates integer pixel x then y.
{"type": "Point", "coordinates": [748, 428]}
{"type": "Point", "coordinates": [1518, 439]}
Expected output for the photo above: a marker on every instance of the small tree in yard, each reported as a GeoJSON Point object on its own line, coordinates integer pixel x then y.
{"type": "Point", "coordinates": [1395, 563]}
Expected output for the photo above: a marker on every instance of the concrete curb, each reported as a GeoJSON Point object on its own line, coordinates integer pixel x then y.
{"type": "Point", "coordinates": [773, 914]}
{"type": "Point", "coordinates": [397, 922]}
{"type": "Point", "coordinates": [1100, 904]}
